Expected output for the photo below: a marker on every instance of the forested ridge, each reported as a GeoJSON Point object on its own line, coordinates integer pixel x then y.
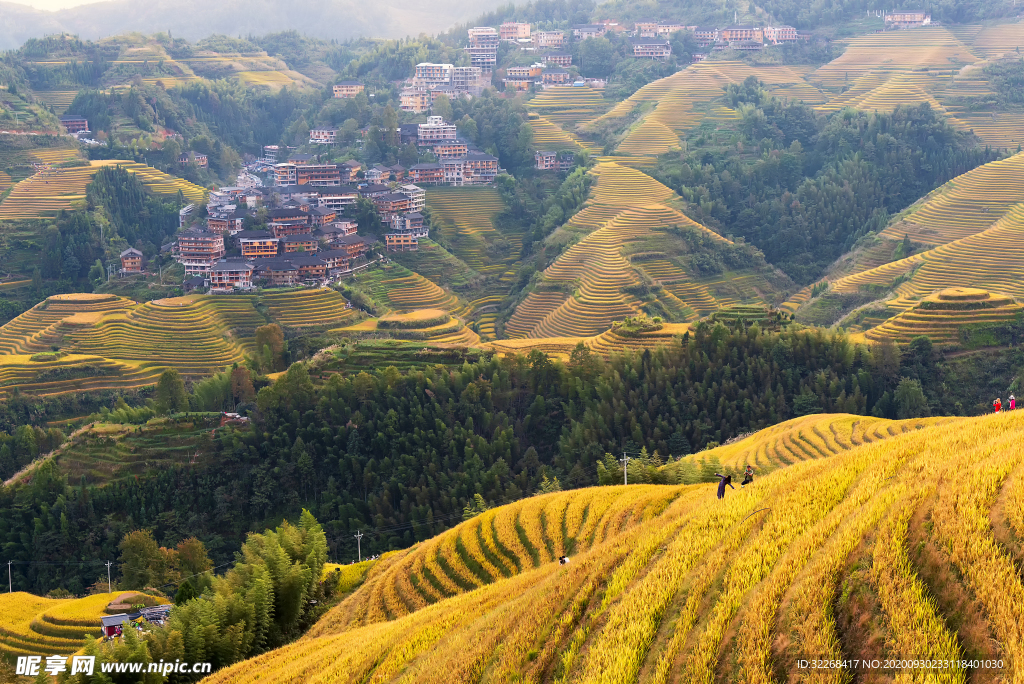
{"type": "Point", "coordinates": [400, 454]}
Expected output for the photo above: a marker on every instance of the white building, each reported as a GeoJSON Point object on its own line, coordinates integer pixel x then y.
{"type": "Point", "coordinates": [435, 130]}
{"type": "Point", "coordinates": [417, 196]}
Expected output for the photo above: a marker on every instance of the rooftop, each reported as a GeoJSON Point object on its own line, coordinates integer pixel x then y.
{"type": "Point", "coordinates": [223, 266]}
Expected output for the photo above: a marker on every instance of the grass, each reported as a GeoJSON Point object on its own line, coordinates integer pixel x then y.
{"type": "Point", "coordinates": [669, 583]}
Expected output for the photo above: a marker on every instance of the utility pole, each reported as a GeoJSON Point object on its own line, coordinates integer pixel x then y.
{"type": "Point", "coordinates": [625, 468]}
{"type": "Point", "coordinates": [359, 544]}
{"type": "Point", "coordinates": [10, 585]}
{"type": "Point", "coordinates": [109, 590]}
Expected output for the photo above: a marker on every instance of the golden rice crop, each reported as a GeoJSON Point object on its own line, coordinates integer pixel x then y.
{"type": "Point", "coordinates": [686, 587]}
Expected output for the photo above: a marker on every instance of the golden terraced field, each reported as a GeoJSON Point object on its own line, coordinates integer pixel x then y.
{"type": "Point", "coordinates": [33, 625]}
{"type": "Point", "coordinates": [808, 437]}
{"type": "Point", "coordinates": [975, 227]}
{"type": "Point", "coordinates": [109, 342]}
{"type": "Point", "coordinates": [968, 204]}
{"type": "Point", "coordinates": [49, 191]}
{"type": "Point", "coordinates": [670, 584]}
{"type": "Point", "coordinates": [683, 100]}
{"type": "Point", "coordinates": [625, 206]}
{"type": "Point", "coordinates": [942, 315]}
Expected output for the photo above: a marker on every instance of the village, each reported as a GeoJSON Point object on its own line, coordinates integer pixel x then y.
{"type": "Point", "coordinates": [298, 230]}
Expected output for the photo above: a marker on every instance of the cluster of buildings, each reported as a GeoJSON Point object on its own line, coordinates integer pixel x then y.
{"type": "Point", "coordinates": [430, 81]}
{"type": "Point", "coordinates": [305, 240]}
{"type": "Point", "coordinates": [457, 163]}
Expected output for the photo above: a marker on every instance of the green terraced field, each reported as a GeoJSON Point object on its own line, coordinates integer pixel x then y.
{"type": "Point", "coordinates": [465, 217]}
{"type": "Point", "coordinates": [107, 453]}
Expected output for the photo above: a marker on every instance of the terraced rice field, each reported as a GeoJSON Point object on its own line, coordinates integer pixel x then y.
{"type": "Point", "coordinates": [624, 206]}
{"type": "Point", "coordinates": [307, 308]}
{"type": "Point", "coordinates": [60, 100]}
{"type": "Point", "coordinates": [465, 216]}
{"type": "Point", "coordinates": [966, 205]}
{"type": "Point", "coordinates": [990, 260]}
{"type": "Point", "coordinates": [109, 342]}
{"type": "Point", "coordinates": [568, 106]}
{"type": "Point", "coordinates": [270, 79]}
{"type": "Point", "coordinates": [941, 316]}
{"type": "Point", "coordinates": [398, 289]}
{"type": "Point", "coordinates": [807, 437]}
{"type": "Point", "coordinates": [998, 129]}
{"type": "Point", "coordinates": [107, 452]}
{"type": "Point", "coordinates": [47, 193]}
{"type": "Point", "coordinates": [670, 583]}
{"type": "Point", "coordinates": [161, 183]}
{"type": "Point", "coordinates": [929, 47]}
{"type": "Point", "coordinates": [506, 542]}
{"type": "Point", "coordinates": [50, 191]}
{"type": "Point", "coordinates": [548, 136]}
{"type": "Point", "coordinates": [931, 65]}
{"type": "Point", "coordinates": [34, 625]}
{"type": "Point", "coordinates": [434, 326]}
{"type": "Point", "coordinates": [884, 91]}
{"type": "Point", "coordinates": [53, 155]}
{"type": "Point", "coordinates": [682, 101]}
{"type": "Point", "coordinates": [992, 41]}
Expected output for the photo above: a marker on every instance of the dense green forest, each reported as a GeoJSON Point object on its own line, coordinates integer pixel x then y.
{"type": "Point", "coordinates": [141, 219]}
{"type": "Point", "coordinates": [401, 454]}
{"type": "Point", "coordinates": [805, 187]}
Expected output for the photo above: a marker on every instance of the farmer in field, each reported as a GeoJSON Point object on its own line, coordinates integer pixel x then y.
{"type": "Point", "coordinates": [725, 480]}
{"type": "Point", "coordinates": [997, 405]}
{"type": "Point", "coordinates": [748, 476]}
{"type": "Point", "coordinates": [1013, 402]}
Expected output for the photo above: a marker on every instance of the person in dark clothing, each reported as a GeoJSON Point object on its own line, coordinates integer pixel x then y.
{"type": "Point", "coordinates": [748, 476]}
{"type": "Point", "coordinates": [725, 480]}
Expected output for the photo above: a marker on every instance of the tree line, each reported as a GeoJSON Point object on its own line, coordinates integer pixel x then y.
{"type": "Point", "coordinates": [399, 454]}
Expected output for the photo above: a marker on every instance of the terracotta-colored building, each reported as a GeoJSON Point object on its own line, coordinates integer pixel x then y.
{"type": "Point", "coordinates": [300, 243]}
{"type": "Point", "coordinates": [257, 244]}
{"type": "Point", "coordinates": [131, 261]}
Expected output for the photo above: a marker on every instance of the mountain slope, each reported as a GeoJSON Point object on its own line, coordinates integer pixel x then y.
{"type": "Point", "coordinates": [740, 589]}
{"type": "Point", "coordinates": [635, 252]}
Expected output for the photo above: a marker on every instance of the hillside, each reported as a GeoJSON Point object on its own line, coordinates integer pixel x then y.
{"type": "Point", "coordinates": [632, 251]}
{"type": "Point", "coordinates": [965, 234]}
{"type": "Point", "coordinates": [79, 342]}
{"type": "Point", "coordinates": [914, 537]}
{"type": "Point", "coordinates": [34, 625]}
